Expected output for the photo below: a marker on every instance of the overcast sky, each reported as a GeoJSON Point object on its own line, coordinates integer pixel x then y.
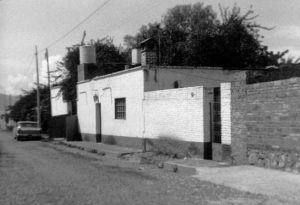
{"type": "Point", "coordinates": [26, 23]}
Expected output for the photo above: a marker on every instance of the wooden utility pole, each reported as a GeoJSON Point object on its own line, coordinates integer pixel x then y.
{"type": "Point", "coordinates": [48, 72]}
{"type": "Point", "coordinates": [159, 36]}
{"type": "Point", "coordinates": [38, 89]}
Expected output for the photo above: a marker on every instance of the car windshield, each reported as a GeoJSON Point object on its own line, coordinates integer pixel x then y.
{"type": "Point", "coordinates": [28, 124]}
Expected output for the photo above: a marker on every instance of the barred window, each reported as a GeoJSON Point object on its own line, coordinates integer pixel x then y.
{"type": "Point", "coordinates": [120, 108]}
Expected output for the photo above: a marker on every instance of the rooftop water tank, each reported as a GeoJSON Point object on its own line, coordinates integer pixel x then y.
{"type": "Point", "coordinates": [135, 56]}
{"type": "Point", "coordinates": [87, 54]}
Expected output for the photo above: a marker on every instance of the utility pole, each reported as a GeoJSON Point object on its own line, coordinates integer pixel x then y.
{"type": "Point", "coordinates": [48, 72]}
{"type": "Point", "coordinates": [38, 89]}
{"type": "Point", "coordinates": [159, 36]}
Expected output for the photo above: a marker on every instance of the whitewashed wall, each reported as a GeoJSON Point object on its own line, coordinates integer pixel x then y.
{"type": "Point", "coordinates": [226, 113]}
{"type": "Point", "coordinates": [125, 84]}
{"type": "Point", "coordinates": [175, 113]}
{"type": "Point", "coordinates": [58, 105]}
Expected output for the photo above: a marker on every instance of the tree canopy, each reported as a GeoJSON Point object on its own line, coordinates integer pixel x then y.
{"type": "Point", "coordinates": [25, 107]}
{"type": "Point", "coordinates": [193, 35]}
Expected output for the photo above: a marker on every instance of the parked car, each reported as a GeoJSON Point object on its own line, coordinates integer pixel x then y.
{"type": "Point", "coordinates": [25, 130]}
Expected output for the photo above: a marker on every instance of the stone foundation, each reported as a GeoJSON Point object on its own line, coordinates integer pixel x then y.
{"type": "Point", "coordinates": [274, 157]}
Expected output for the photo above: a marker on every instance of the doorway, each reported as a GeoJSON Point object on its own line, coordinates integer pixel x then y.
{"type": "Point", "coordinates": [98, 122]}
{"type": "Point", "coordinates": [215, 146]}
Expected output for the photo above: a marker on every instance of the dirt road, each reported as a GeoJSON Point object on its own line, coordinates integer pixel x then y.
{"type": "Point", "coordinates": [34, 172]}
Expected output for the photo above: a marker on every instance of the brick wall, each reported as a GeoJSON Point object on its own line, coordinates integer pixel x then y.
{"type": "Point", "coordinates": [266, 124]}
{"type": "Point", "coordinates": [178, 114]}
{"type": "Point", "coordinates": [148, 58]}
{"type": "Point", "coordinates": [226, 113]}
{"type": "Point", "coordinates": [175, 113]}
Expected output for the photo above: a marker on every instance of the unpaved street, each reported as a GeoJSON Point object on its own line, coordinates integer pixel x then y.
{"type": "Point", "coordinates": [34, 172]}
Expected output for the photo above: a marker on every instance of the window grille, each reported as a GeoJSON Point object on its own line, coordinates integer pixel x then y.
{"type": "Point", "coordinates": [120, 108]}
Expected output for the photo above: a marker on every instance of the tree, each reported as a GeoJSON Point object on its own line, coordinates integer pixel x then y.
{"type": "Point", "coordinates": [25, 107]}
{"type": "Point", "coordinates": [193, 35]}
{"type": "Point", "coordinates": [184, 26]}
{"type": "Point", "coordinates": [108, 57]}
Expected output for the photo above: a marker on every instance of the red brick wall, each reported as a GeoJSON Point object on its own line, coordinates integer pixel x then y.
{"type": "Point", "coordinates": [266, 124]}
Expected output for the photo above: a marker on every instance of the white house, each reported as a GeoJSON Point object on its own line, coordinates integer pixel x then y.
{"type": "Point", "coordinates": [148, 102]}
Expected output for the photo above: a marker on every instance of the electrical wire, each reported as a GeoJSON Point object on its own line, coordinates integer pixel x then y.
{"type": "Point", "coordinates": [76, 26]}
{"type": "Point", "coordinates": [125, 21]}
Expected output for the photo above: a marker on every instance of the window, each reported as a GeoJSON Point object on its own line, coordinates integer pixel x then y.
{"type": "Point", "coordinates": [120, 108]}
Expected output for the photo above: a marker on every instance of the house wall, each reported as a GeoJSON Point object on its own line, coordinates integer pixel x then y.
{"type": "Point", "coordinates": [125, 84]}
{"type": "Point", "coordinates": [265, 121]}
{"type": "Point", "coordinates": [160, 78]}
{"type": "Point", "coordinates": [58, 105]}
{"type": "Point", "coordinates": [152, 102]}
{"type": "Point", "coordinates": [178, 114]}
{"type": "Point", "coordinates": [226, 113]}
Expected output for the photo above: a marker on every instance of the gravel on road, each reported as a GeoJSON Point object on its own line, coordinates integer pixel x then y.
{"type": "Point", "coordinates": [34, 172]}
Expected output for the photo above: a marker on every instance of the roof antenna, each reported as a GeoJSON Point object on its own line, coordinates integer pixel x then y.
{"type": "Point", "coordinates": [83, 37]}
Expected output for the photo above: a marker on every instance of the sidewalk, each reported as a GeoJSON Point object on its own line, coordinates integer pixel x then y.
{"type": "Point", "coordinates": [253, 179]}
{"type": "Point", "coordinates": [189, 166]}
{"type": "Point", "coordinates": [99, 148]}
{"type": "Point", "coordinates": [273, 183]}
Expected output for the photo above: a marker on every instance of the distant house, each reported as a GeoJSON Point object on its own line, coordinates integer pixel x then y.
{"type": "Point", "coordinates": [149, 102]}
{"type": "Point", "coordinates": [58, 105]}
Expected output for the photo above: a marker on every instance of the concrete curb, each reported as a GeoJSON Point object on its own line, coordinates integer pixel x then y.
{"type": "Point", "coordinates": [190, 166]}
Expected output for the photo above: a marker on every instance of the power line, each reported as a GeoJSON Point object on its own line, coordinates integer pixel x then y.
{"type": "Point", "coordinates": [76, 26]}
{"type": "Point", "coordinates": [89, 16]}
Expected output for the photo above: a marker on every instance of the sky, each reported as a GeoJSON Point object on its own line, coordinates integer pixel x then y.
{"type": "Point", "coordinates": [27, 23]}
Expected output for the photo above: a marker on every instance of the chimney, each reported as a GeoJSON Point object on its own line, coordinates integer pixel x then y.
{"type": "Point", "coordinates": [149, 52]}
{"type": "Point", "coordinates": [148, 58]}
{"type": "Point", "coordinates": [87, 69]}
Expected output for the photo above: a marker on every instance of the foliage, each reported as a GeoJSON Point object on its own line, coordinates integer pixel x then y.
{"type": "Point", "coordinates": [25, 107]}
{"type": "Point", "coordinates": [193, 35]}
{"type": "Point", "coordinates": [108, 57]}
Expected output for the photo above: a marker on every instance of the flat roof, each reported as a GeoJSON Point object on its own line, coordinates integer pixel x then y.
{"type": "Point", "coordinates": [138, 68]}
{"type": "Point", "coordinates": [113, 74]}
